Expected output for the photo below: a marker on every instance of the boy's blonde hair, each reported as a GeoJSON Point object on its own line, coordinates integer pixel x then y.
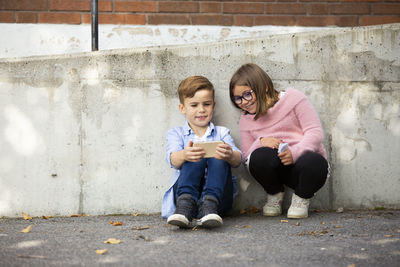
{"type": "Point", "coordinates": [189, 86]}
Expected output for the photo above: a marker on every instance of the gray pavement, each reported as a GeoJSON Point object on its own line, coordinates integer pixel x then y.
{"type": "Point", "coordinates": [356, 238]}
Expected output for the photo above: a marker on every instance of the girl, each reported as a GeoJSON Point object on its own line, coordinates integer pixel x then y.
{"type": "Point", "coordinates": [270, 119]}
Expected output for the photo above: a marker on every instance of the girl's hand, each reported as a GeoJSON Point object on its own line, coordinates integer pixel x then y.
{"type": "Point", "coordinates": [286, 157]}
{"type": "Point", "coordinates": [193, 153]}
{"type": "Point", "coordinates": [224, 152]}
{"type": "Point", "coordinates": [270, 142]}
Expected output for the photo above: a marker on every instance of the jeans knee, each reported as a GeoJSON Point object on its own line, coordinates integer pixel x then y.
{"type": "Point", "coordinates": [219, 163]}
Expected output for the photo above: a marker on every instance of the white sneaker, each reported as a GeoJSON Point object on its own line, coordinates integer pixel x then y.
{"type": "Point", "coordinates": [273, 207]}
{"type": "Point", "coordinates": [299, 208]}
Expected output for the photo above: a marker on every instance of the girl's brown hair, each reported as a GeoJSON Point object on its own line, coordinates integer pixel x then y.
{"type": "Point", "coordinates": [253, 76]}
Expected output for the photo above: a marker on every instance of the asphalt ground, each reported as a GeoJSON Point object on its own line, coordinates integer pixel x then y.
{"type": "Point", "coordinates": [353, 238]}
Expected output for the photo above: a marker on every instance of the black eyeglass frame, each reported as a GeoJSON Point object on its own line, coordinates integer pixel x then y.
{"type": "Point", "coordinates": [248, 95]}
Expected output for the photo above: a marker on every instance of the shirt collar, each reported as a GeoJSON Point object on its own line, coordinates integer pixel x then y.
{"type": "Point", "coordinates": [187, 130]}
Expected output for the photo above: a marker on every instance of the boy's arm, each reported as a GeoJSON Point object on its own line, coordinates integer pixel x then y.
{"type": "Point", "coordinates": [190, 153]}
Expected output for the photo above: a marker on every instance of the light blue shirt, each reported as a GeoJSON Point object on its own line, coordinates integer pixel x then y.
{"type": "Point", "coordinates": [177, 139]}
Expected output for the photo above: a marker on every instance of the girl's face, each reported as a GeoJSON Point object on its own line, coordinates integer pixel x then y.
{"type": "Point", "coordinates": [249, 106]}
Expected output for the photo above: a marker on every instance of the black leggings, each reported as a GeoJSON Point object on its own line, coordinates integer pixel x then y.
{"type": "Point", "coordinates": [306, 176]}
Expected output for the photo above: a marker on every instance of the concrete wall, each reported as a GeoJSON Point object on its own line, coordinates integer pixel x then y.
{"type": "Point", "coordinates": [85, 133]}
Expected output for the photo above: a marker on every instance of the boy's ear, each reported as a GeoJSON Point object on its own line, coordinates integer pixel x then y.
{"type": "Point", "coordinates": [182, 108]}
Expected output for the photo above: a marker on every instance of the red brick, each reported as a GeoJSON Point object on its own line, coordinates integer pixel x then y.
{"type": "Point", "coordinates": [386, 9]}
{"type": "Point", "coordinates": [111, 19]}
{"type": "Point", "coordinates": [286, 9]}
{"type": "Point", "coordinates": [135, 6]}
{"type": "Point", "coordinates": [26, 17]}
{"type": "Point", "coordinates": [275, 20]}
{"type": "Point", "coordinates": [157, 19]}
{"type": "Point", "coordinates": [105, 6]}
{"type": "Point", "coordinates": [25, 5]}
{"type": "Point", "coordinates": [69, 18]}
{"type": "Point", "coordinates": [244, 8]}
{"type": "Point", "coordinates": [178, 7]}
{"type": "Point", "coordinates": [350, 9]}
{"type": "Point", "coordinates": [375, 20]}
{"type": "Point", "coordinates": [225, 20]}
{"type": "Point", "coordinates": [70, 5]}
{"type": "Point", "coordinates": [135, 19]}
{"type": "Point", "coordinates": [7, 17]}
{"type": "Point", "coordinates": [318, 9]}
{"type": "Point", "coordinates": [342, 21]}
{"type": "Point", "coordinates": [364, 0]}
{"type": "Point", "coordinates": [243, 20]}
{"type": "Point", "coordinates": [210, 7]}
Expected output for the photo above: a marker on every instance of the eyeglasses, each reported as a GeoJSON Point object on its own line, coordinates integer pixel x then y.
{"type": "Point", "coordinates": [248, 95]}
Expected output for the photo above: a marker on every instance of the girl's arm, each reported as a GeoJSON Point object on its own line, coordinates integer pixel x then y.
{"type": "Point", "coordinates": [311, 127]}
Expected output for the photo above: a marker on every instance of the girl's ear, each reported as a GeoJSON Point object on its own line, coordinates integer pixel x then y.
{"type": "Point", "coordinates": [182, 108]}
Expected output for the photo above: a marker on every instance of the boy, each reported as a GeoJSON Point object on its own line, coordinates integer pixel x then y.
{"type": "Point", "coordinates": [200, 185]}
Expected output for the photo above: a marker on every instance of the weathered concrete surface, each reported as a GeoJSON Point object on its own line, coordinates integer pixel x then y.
{"type": "Point", "coordinates": [85, 133]}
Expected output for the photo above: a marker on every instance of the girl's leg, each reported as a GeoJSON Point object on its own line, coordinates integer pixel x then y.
{"type": "Point", "coordinates": [264, 166]}
{"type": "Point", "coordinates": [308, 174]}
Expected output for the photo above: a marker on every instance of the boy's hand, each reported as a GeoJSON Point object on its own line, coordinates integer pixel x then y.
{"type": "Point", "coordinates": [286, 157]}
{"type": "Point", "coordinates": [192, 153]}
{"type": "Point", "coordinates": [270, 142]}
{"type": "Point", "coordinates": [224, 152]}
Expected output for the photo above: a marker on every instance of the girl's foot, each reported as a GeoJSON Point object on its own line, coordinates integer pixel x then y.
{"type": "Point", "coordinates": [299, 208]}
{"type": "Point", "coordinates": [273, 207]}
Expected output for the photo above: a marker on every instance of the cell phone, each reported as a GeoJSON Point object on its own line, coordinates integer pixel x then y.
{"type": "Point", "coordinates": [209, 147]}
{"type": "Point", "coordinates": [283, 147]}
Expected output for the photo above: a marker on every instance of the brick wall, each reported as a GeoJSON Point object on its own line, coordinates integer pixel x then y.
{"type": "Point", "coordinates": [206, 12]}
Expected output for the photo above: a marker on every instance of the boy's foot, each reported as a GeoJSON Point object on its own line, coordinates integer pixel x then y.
{"type": "Point", "coordinates": [273, 207]}
{"type": "Point", "coordinates": [184, 212]}
{"type": "Point", "coordinates": [208, 212]}
{"type": "Point", "coordinates": [299, 208]}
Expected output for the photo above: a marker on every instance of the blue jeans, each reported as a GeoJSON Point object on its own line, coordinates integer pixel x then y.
{"type": "Point", "coordinates": [216, 182]}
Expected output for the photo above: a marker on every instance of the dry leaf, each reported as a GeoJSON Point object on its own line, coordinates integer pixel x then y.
{"type": "Point", "coordinates": [27, 229]}
{"type": "Point", "coordinates": [116, 223]}
{"type": "Point", "coordinates": [322, 222]}
{"type": "Point", "coordinates": [79, 215]}
{"type": "Point", "coordinates": [284, 221]}
{"type": "Point", "coordinates": [26, 216]}
{"type": "Point", "coordinates": [246, 226]}
{"type": "Point", "coordinates": [101, 251]}
{"type": "Point", "coordinates": [140, 227]}
{"type": "Point", "coordinates": [31, 256]}
{"type": "Point", "coordinates": [351, 265]}
{"type": "Point", "coordinates": [146, 238]}
{"type": "Point", "coordinates": [336, 226]}
{"type": "Point", "coordinates": [298, 224]}
{"type": "Point", "coordinates": [135, 214]}
{"type": "Point", "coordinates": [253, 210]}
{"type": "Point", "coordinates": [388, 235]}
{"type": "Point", "coordinates": [46, 217]}
{"type": "Point", "coordinates": [242, 211]}
{"type": "Point", "coordinates": [112, 241]}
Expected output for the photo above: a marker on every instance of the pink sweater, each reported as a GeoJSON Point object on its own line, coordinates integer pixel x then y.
{"type": "Point", "coordinates": [292, 119]}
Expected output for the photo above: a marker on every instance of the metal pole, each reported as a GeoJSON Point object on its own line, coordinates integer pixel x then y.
{"type": "Point", "coordinates": [95, 26]}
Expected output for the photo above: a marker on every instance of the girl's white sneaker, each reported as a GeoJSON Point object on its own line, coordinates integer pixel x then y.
{"type": "Point", "coordinates": [299, 208]}
{"type": "Point", "coordinates": [273, 207]}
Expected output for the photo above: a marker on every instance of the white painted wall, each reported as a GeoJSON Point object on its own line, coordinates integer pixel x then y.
{"type": "Point", "coordinates": [22, 40]}
{"type": "Point", "coordinates": [86, 132]}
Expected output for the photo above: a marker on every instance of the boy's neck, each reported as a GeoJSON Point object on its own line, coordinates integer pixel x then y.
{"type": "Point", "coordinates": [199, 131]}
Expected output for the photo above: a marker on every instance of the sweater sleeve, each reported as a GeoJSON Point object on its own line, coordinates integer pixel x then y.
{"type": "Point", "coordinates": [310, 125]}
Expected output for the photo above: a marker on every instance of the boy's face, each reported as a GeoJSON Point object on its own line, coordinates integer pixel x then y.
{"type": "Point", "coordinates": [198, 109]}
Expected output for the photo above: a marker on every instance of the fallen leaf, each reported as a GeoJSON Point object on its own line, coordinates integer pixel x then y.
{"type": "Point", "coordinates": [351, 265]}
{"type": "Point", "coordinates": [116, 223]}
{"type": "Point", "coordinates": [242, 211]}
{"type": "Point", "coordinates": [298, 224]}
{"type": "Point", "coordinates": [388, 235]}
{"type": "Point", "coordinates": [112, 241]}
{"type": "Point", "coordinates": [146, 238]}
{"type": "Point", "coordinates": [140, 227]}
{"type": "Point", "coordinates": [27, 229]}
{"type": "Point", "coordinates": [101, 251]}
{"type": "Point", "coordinates": [337, 226]}
{"type": "Point", "coordinates": [322, 222]}
{"type": "Point", "coordinates": [253, 210]}
{"type": "Point", "coordinates": [246, 226]}
{"type": "Point", "coordinates": [31, 256]}
{"type": "Point", "coordinates": [46, 217]}
{"type": "Point", "coordinates": [284, 221]}
{"type": "Point", "coordinates": [26, 216]}
{"type": "Point", "coordinates": [135, 214]}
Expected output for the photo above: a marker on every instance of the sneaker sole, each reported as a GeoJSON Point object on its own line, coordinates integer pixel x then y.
{"type": "Point", "coordinates": [297, 216]}
{"type": "Point", "coordinates": [179, 220]}
{"type": "Point", "coordinates": [271, 214]}
{"type": "Point", "coordinates": [211, 221]}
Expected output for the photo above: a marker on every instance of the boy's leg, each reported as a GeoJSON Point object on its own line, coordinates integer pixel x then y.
{"type": "Point", "coordinates": [212, 201]}
{"type": "Point", "coordinates": [187, 190]}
